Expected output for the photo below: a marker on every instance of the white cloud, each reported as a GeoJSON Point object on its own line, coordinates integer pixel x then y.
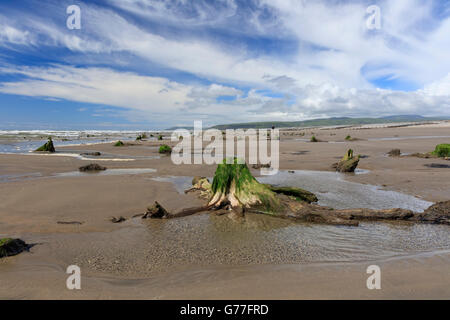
{"type": "Point", "coordinates": [100, 86]}
{"type": "Point", "coordinates": [438, 88]}
{"type": "Point", "coordinates": [323, 77]}
{"type": "Point", "coordinates": [11, 35]}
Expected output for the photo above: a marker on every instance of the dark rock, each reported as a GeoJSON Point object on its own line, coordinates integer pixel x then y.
{"type": "Point", "coordinates": [156, 211]}
{"type": "Point", "coordinates": [299, 153]}
{"type": "Point", "coordinates": [92, 167]}
{"type": "Point", "coordinates": [11, 247]}
{"type": "Point", "coordinates": [437, 165]}
{"type": "Point", "coordinates": [95, 154]}
{"type": "Point", "coordinates": [69, 222]}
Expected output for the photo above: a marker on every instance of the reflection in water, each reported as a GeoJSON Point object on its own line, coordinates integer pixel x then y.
{"type": "Point", "coordinates": [332, 190]}
{"type": "Point", "coordinates": [264, 239]}
{"type": "Point", "coordinates": [207, 239]}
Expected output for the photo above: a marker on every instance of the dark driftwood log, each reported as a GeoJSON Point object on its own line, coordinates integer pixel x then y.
{"type": "Point", "coordinates": [304, 212]}
{"type": "Point", "coordinates": [436, 214]}
{"type": "Point", "coordinates": [189, 211]}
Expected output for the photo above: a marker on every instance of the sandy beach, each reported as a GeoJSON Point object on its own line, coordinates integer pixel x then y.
{"type": "Point", "coordinates": [208, 257]}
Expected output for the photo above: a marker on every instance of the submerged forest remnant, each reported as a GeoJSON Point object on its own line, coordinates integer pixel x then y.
{"type": "Point", "coordinates": [395, 153]}
{"type": "Point", "coordinates": [12, 247]}
{"type": "Point", "coordinates": [235, 190]}
{"type": "Point", "coordinates": [47, 147]}
{"type": "Point", "coordinates": [141, 136]}
{"type": "Point", "coordinates": [165, 149]}
{"type": "Point", "coordinates": [442, 150]}
{"type": "Point", "coordinates": [348, 163]}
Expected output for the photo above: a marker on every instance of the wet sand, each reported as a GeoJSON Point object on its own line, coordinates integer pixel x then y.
{"type": "Point", "coordinates": [132, 260]}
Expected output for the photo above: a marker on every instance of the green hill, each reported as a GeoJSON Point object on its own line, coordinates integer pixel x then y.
{"type": "Point", "coordinates": [327, 122]}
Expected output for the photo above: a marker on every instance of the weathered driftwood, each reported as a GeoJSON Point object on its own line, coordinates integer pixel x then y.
{"type": "Point", "coordinates": [158, 212]}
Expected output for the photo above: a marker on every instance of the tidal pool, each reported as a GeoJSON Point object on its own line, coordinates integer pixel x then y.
{"type": "Point", "coordinates": [142, 247]}
{"type": "Point", "coordinates": [209, 240]}
{"type": "Point", "coordinates": [331, 189]}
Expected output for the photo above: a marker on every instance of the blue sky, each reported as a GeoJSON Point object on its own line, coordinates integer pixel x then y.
{"type": "Point", "coordinates": [138, 64]}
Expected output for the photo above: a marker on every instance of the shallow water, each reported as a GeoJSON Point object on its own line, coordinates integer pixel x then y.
{"type": "Point", "coordinates": [103, 156]}
{"type": "Point", "coordinates": [19, 177]}
{"type": "Point", "coordinates": [31, 145]}
{"type": "Point", "coordinates": [331, 189]}
{"type": "Point", "coordinates": [180, 183]}
{"type": "Point", "coordinates": [107, 172]}
{"type": "Point", "coordinates": [142, 247]}
{"type": "Point", "coordinates": [407, 138]}
{"type": "Point", "coordinates": [27, 141]}
{"type": "Point", "coordinates": [206, 239]}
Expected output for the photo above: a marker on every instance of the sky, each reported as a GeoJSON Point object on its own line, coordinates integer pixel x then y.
{"type": "Point", "coordinates": [147, 64]}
